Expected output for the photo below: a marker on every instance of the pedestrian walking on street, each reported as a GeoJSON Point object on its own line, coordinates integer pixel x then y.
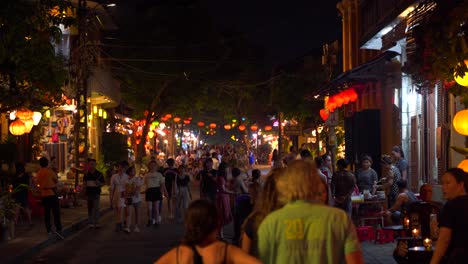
{"type": "Point", "coordinates": [184, 194]}
{"type": "Point", "coordinates": [199, 244]}
{"type": "Point", "coordinates": [132, 200]}
{"type": "Point", "coordinates": [170, 175]}
{"type": "Point", "coordinates": [92, 182]}
{"type": "Point", "coordinates": [154, 182]}
{"type": "Point", "coordinates": [47, 181]}
{"type": "Point", "coordinates": [117, 194]}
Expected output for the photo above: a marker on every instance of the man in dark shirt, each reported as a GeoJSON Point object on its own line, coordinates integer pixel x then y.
{"type": "Point", "coordinates": [343, 183]}
{"type": "Point", "coordinates": [93, 180]}
{"type": "Point", "coordinates": [208, 187]}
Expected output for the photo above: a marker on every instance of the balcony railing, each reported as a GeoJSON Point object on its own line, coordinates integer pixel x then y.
{"type": "Point", "coordinates": [376, 14]}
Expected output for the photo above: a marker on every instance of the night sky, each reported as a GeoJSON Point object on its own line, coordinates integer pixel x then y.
{"type": "Point", "coordinates": [286, 29]}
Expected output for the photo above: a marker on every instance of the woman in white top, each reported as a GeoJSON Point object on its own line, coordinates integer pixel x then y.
{"type": "Point", "coordinates": [133, 200]}
{"type": "Point", "coordinates": [154, 182]}
{"type": "Point", "coordinates": [117, 193]}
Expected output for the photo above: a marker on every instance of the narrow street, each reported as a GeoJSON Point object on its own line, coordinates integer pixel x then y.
{"type": "Point", "coordinates": [104, 245]}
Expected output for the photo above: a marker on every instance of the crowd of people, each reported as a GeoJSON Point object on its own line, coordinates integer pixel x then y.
{"type": "Point", "coordinates": [300, 212]}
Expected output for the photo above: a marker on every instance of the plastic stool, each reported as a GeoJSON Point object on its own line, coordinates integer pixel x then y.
{"type": "Point", "coordinates": [365, 233]}
{"type": "Point", "coordinates": [384, 236]}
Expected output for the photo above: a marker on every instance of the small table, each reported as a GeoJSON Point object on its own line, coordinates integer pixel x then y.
{"type": "Point", "coordinates": [419, 255]}
{"type": "Point", "coordinates": [398, 229]}
{"type": "Point", "coordinates": [357, 200]}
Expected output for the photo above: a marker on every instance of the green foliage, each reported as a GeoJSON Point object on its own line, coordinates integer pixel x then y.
{"type": "Point", "coordinates": [8, 205]}
{"type": "Point", "coordinates": [441, 46]}
{"type": "Point", "coordinates": [29, 67]}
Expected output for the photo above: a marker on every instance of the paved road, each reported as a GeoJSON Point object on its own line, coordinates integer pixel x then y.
{"type": "Point", "coordinates": [104, 245]}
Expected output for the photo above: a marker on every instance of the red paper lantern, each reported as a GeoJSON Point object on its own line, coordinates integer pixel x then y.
{"type": "Point", "coordinates": [176, 119]}
{"type": "Point", "coordinates": [346, 97]}
{"type": "Point", "coordinates": [168, 116]}
{"type": "Point", "coordinates": [241, 127]}
{"type": "Point", "coordinates": [352, 95]}
{"type": "Point", "coordinates": [164, 118]}
{"type": "Point", "coordinates": [186, 121]}
{"type": "Point", "coordinates": [253, 127]}
{"type": "Point", "coordinates": [200, 124]}
{"type": "Point", "coordinates": [331, 104]}
{"type": "Point", "coordinates": [268, 128]}
{"type": "Point", "coordinates": [338, 100]}
{"type": "Point", "coordinates": [227, 126]}
{"type": "Point", "coordinates": [212, 125]}
{"type": "Point", "coordinates": [324, 114]}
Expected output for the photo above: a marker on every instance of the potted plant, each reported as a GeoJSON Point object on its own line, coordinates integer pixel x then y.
{"type": "Point", "coordinates": [8, 209]}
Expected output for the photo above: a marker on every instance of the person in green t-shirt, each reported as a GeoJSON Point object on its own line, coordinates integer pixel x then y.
{"type": "Point", "coordinates": [305, 230]}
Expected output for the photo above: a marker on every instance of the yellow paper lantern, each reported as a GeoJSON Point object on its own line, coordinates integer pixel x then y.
{"type": "Point", "coordinates": [104, 115]}
{"type": "Point", "coordinates": [17, 128]}
{"type": "Point", "coordinates": [463, 81]}
{"type": "Point", "coordinates": [463, 165]}
{"type": "Point", "coordinates": [151, 134]}
{"type": "Point", "coordinates": [460, 122]}
{"type": "Point", "coordinates": [47, 114]}
{"type": "Point", "coordinates": [28, 123]}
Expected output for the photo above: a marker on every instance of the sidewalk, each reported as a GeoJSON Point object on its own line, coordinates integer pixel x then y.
{"type": "Point", "coordinates": [29, 240]}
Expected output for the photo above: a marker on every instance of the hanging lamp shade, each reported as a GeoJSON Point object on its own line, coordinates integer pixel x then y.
{"type": "Point", "coordinates": [24, 113]}
{"type": "Point", "coordinates": [463, 165]}
{"type": "Point", "coordinates": [37, 118]}
{"type": "Point", "coordinates": [460, 122]}
{"type": "Point", "coordinates": [241, 127]}
{"type": "Point", "coordinates": [17, 128]}
{"type": "Point", "coordinates": [463, 81]}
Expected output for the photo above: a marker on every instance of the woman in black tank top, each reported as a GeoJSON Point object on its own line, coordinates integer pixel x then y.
{"type": "Point", "coordinates": [200, 244]}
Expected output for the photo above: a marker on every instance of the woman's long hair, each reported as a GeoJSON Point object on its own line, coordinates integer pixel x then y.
{"type": "Point", "coordinates": [200, 222]}
{"type": "Point", "coordinates": [268, 199]}
{"type": "Point", "coordinates": [301, 181]}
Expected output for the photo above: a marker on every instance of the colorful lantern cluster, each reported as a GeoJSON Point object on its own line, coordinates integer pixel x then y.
{"type": "Point", "coordinates": [338, 100]}
{"type": "Point", "coordinates": [26, 120]}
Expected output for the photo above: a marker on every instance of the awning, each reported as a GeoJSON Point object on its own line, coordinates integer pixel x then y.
{"type": "Point", "coordinates": [369, 71]}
